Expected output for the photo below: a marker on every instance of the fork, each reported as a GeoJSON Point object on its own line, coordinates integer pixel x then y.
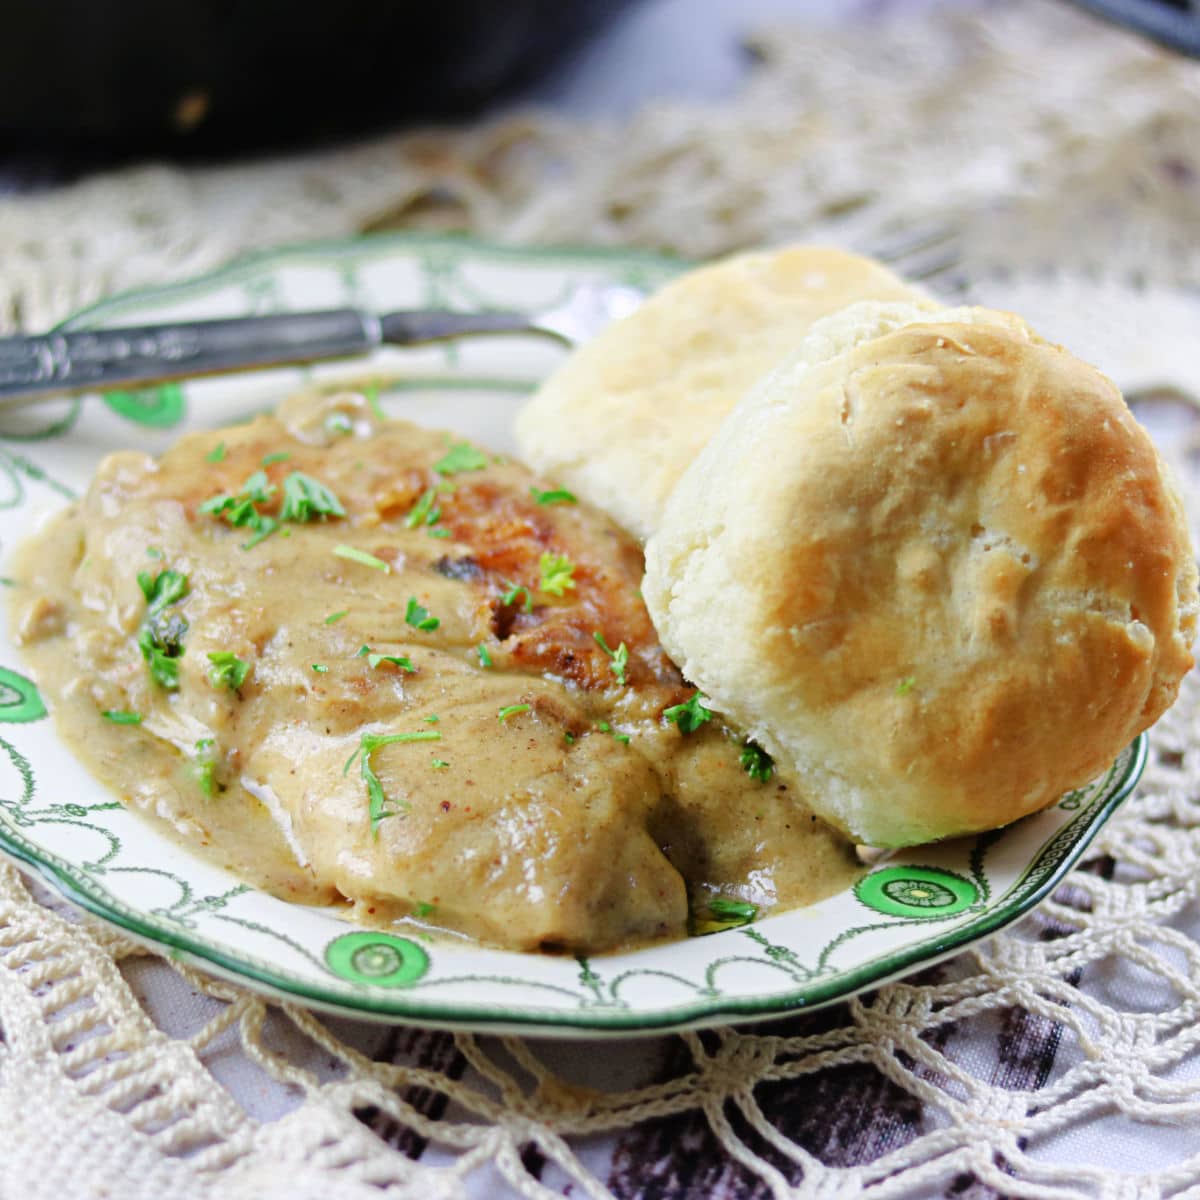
{"type": "Point", "coordinates": [39, 367]}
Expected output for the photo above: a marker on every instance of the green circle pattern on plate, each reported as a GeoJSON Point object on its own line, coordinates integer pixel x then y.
{"type": "Point", "coordinates": [19, 699]}
{"type": "Point", "coordinates": [916, 892]}
{"type": "Point", "coordinates": [158, 407]}
{"type": "Point", "coordinates": [377, 958]}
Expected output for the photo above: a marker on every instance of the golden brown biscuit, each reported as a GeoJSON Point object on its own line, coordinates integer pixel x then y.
{"type": "Point", "coordinates": [940, 573]}
{"type": "Point", "coordinates": [620, 421]}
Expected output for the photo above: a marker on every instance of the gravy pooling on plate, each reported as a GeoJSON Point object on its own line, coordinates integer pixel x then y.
{"type": "Point", "coordinates": [354, 660]}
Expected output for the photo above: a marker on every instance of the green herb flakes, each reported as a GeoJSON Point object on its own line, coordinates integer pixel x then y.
{"type": "Point", "coordinates": [432, 719]}
{"type": "Point", "coordinates": [906, 685]}
{"type": "Point", "coordinates": [216, 454]}
{"type": "Point", "coordinates": [756, 762]}
{"type": "Point", "coordinates": [512, 710]}
{"type": "Point", "coordinates": [418, 617]}
{"type": "Point", "coordinates": [459, 458]}
{"type": "Point", "coordinates": [334, 618]}
{"type": "Point", "coordinates": [426, 511]}
{"type": "Point", "coordinates": [690, 715]}
{"type": "Point", "coordinates": [306, 499]}
{"type": "Point", "coordinates": [439, 764]}
{"type": "Point", "coordinates": [269, 460]}
{"type": "Point", "coordinates": [338, 424]}
{"type": "Point", "coordinates": [397, 660]}
{"type": "Point", "coordinates": [552, 496]}
{"type": "Point", "coordinates": [320, 668]}
{"type": "Point", "coordinates": [240, 511]}
{"type": "Point", "coordinates": [377, 803]}
{"type": "Point", "coordinates": [154, 552]}
{"type": "Point", "coordinates": [728, 908]}
{"type": "Point", "coordinates": [354, 554]}
{"type": "Point", "coordinates": [120, 716]}
{"type": "Point", "coordinates": [161, 635]}
{"type": "Point", "coordinates": [422, 908]}
{"type": "Point", "coordinates": [485, 656]}
{"type": "Point", "coordinates": [227, 670]}
{"type": "Point", "coordinates": [618, 658]}
{"type": "Point", "coordinates": [556, 570]}
{"type": "Point", "coordinates": [516, 590]}
{"type": "Point", "coordinates": [371, 394]}
{"type": "Point", "coordinates": [205, 765]}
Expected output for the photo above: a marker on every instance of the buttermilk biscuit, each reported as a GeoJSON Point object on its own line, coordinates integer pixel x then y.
{"type": "Point", "coordinates": [935, 568]}
{"type": "Point", "coordinates": [620, 421]}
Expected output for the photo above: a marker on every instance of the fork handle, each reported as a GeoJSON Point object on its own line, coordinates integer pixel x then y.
{"type": "Point", "coordinates": [104, 359]}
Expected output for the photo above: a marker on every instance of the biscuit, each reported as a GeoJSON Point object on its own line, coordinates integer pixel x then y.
{"type": "Point", "coordinates": [934, 566]}
{"type": "Point", "coordinates": [622, 418]}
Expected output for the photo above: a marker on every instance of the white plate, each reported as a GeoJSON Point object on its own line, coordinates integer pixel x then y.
{"type": "Point", "coordinates": [920, 906]}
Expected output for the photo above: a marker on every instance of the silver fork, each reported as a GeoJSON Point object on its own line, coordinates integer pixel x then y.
{"type": "Point", "coordinates": [38, 367]}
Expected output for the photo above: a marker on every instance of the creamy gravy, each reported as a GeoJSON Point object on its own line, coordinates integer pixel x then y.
{"type": "Point", "coordinates": [534, 801]}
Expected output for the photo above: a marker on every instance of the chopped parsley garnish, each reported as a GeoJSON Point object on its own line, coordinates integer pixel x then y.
{"type": "Point", "coordinates": [354, 554]}
{"type": "Point", "coordinates": [426, 511]}
{"type": "Point", "coordinates": [167, 587]}
{"type": "Point", "coordinates": [726, 908]}
{"type": "Point", "coordinates": [423, 908]}
{"type": "Point", "coordinates": [239, 510]}
{"type": "Point", "coordinates": [320, 668]}
{"type": "Point", "coordinates": [461, 457]}
{"type": "Point", "coordinates": [154, 552]}
{"type": "Point", "coordinates": [906, 685]}
{"type": "Point", "coordinates": [605, 727]}
{"type": "Point", "coordinates": [334, 618]}
{"type": "Point", "coordinates": [418, 617]}
{"type": "Point", "coordinates": [512, 710]}
{"type": "Point", "coordinates": [569, 738]}
{"type": "Point", "coordinates": [397, 660]}
{"type": "Point", "coordinates": [432, 719]}
{"type": "Point", "coordinates": [556, 570]}
{"type": "Point", "coordinates": [756, 762]}
{"type": "Point", "coordinates": [306, 499]}
{"type": "Point", "coordinates": [691, 714]}
{"type": "Point", "coordinates": [119, 716]}
{"type": "Point", "coordinates": [485, 656]}
{"type": "Point", "coordinates": [439, 764]}
{"type": "Point", "coordinates": [216, 454]}
{"type": "Point", "coordinates": [269, 460]}
{"type": "Point", "coordinates": [553, 496]}
{"type": "Point", "coordinates": [515, 590]}
{"type": "Point", "coordinates": [227, 670]}
{"type": "Point", "coordinates": [338, 423]}
{"type": "Point", "coordinates": [440, 532]}
{"type": "Point", "coordinates": [377, 802]}
{"type": "Point", "coordinates": [618, 658]}
{"type": "Point", "coordinates": [372, 397]}
{"type": "Point", "coordinates": [266, 526]}
{"type": "Point", "coordinates": [160, 638]}
{"type": "Point", "coordinates": [206, 767]}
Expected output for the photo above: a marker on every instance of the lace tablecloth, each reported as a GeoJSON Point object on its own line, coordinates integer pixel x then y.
{"type": "Point", "coordinates": [1061, 1058]}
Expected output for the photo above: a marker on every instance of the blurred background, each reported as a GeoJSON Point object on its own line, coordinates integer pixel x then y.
{"type": "Point", "coordinates": [85, 84]}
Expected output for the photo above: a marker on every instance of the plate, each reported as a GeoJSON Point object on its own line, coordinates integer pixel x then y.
{"type": "Point", "coordinates": [916, 907]}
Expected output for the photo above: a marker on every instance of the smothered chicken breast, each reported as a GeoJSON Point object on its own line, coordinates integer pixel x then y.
{"type": "Point", "coordinates": [358, 661]}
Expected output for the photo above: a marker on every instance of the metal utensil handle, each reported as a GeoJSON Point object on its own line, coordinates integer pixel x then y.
{"type": "Point", "coordinates": [103, 359]}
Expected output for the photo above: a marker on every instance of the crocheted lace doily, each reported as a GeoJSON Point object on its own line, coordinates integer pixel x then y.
{"type": "Point", "coordinates": [1065, 156]}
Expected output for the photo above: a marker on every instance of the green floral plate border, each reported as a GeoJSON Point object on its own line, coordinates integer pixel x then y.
{"type": "Point", "coordinates": [916, 908]}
